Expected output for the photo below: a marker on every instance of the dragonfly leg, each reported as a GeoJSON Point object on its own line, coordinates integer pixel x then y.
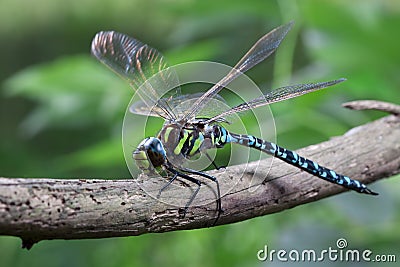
{"type": "Point", "coordinates": [167, 184]}
{"type": "Point", "coordinates": [213, 162]}
{"type": "Point", "coordinates": [214, 179]}
{"type": "Point", "coordinates": [189, 178]}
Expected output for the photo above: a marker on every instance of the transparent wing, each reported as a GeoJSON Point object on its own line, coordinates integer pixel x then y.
{"type": "Point", "coordinates": [263, 48]}
{"type": "Point", "coordinates": [137, 62]}
{"type": "Point", "coordinates": [179, 105]}
{"type": "Point", "coordinates": [277, 95]}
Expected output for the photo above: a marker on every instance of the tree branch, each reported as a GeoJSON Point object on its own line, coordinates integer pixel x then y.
{"type": "Point", "coordinates": [373, 104]}
{"type": "Point", "coordinates": [39, 209]}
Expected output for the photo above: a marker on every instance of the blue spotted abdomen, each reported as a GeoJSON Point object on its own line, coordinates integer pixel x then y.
{"type": "Point", "coordinates": [296, 160]}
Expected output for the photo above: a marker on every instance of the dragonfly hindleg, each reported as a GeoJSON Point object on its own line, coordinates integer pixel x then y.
{"type": "Point", "coordinates": [189, 178]}
{"type": "Point", "coordinates": [214, 179]}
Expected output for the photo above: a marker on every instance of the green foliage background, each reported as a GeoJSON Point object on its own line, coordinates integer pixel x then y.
{"type": "Point", "coordinates": [61, 113]}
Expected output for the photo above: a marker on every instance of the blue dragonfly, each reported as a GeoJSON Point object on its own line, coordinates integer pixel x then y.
{"type": "Point", "coordinates": [184, 134]}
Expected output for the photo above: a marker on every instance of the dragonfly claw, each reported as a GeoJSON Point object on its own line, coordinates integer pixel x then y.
{"type": "Point", "coordinates": [182, 212]}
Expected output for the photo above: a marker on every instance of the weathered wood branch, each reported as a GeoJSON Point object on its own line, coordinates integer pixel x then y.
{"type": "Point", "coordinates": [373, 104]}
{"type": "Point", "coordinates": [39, 209]}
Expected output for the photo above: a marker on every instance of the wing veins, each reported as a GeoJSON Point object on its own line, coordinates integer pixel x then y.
{"type": "Point", "coordinates": [262, 49]}
{"type": "Point", "coordinates": [127, 57]}
{"type": "Point", "coordinates": [278, 95]}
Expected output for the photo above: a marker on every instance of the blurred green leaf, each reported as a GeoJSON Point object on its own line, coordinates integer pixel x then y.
{"type": "Point", "coordinates": [102, 155]}
{"type": "Point", "coordinates": [70, 92]}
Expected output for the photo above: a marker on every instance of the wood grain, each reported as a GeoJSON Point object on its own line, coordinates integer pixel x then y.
{"type": "Point", "coordinates": [40, 209]}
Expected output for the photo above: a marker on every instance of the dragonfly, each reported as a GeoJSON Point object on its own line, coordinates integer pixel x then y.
{"type": "Point", "coordinates": [185, 133]}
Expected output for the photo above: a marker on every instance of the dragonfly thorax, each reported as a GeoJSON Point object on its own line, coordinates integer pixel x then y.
{"type": "Point", "coordinates": [182, 142]}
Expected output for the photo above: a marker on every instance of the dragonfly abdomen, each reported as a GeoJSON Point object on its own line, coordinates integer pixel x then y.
{"type": "Point", "coordinates": [298, 161]}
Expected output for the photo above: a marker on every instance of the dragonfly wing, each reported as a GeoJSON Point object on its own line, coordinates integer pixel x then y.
{"type": "Point", "coordinates": [141, 108]}
{"type": "Point", "coordinates": [263, 48]}
{"type": "Point", "coordinates": [180, 105]}
{"type": "Point", "coordinates": [137, 63]}
{"type": "Point", "coordinates": [277, 95]}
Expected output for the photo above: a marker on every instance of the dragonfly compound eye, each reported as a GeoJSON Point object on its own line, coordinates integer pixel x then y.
{"type": "Point", "coordinates": [149, 154]}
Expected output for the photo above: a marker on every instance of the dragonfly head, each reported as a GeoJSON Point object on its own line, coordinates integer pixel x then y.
{"type": "Point", "coordinates": [149, 154]}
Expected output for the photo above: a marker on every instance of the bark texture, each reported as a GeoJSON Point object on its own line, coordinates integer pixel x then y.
{"type": "Point", "coordinates": [40, 209]}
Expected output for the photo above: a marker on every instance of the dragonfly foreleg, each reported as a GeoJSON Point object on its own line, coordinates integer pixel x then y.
{"type": "Point", "coordinates": [167, 184]}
